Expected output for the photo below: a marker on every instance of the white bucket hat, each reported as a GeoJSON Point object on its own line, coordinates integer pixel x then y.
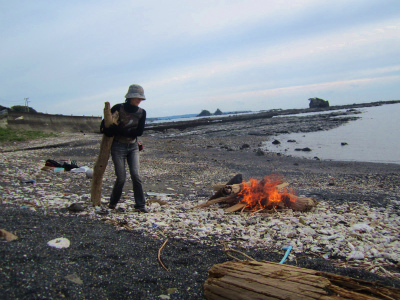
{"type": "Point", "coordinates": [135, 91]}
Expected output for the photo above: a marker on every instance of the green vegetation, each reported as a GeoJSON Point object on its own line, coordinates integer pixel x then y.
{"type": "Point", "coordinates": [10, 135]}
{"type": "Point", "coordinates": [21, 108]}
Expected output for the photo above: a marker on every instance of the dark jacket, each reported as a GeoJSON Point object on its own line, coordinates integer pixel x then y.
{"type": "Point", "coordinates": [132, 120]}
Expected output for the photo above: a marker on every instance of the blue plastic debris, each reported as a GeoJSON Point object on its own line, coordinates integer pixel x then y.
{"type": "Point", "coordinates": [288, 249]}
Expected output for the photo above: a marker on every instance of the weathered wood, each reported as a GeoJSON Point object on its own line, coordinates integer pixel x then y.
{"type": "Point", "coordinates": [211, 202]}
{"type": "Point", "coordinates": [235, 207]}
{"type": "Point", "coordinates": [302, 204]}
{"type": "Point", "coordinates": [7, 235]}
{"type": "Point", "coordinates": [102, 159]}
{"type": "Point", "coordinates": [282, 185]}
{"type": "Point", "coordinates": [226, 190]}
{"type": "Point", "coordinates": [239, 280]}
{"type": "Point", "coordinates": [237, 179]}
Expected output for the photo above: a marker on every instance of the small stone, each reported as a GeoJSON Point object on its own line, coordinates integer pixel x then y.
{"type": "Point", "coordinates": [74, 278]}
{"type": "Point", "coordinates": [75, 207]}
{"type": "Point", "coordinates": [171, 291]}
{"type": "Point", "coordinates": [259, 152]}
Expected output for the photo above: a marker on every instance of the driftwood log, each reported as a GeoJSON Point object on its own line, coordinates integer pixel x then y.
{"type": "Point", "coordinates": [102, 159]}
{"type": "Point", "coordinates": [237, 280]}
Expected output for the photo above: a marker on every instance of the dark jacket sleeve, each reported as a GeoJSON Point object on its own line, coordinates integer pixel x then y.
{"type": "Point", "coordinates": [141, 124]}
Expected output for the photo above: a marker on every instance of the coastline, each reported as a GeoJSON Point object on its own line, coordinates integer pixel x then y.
{"type": "Point", "coordinates": [115, 255]}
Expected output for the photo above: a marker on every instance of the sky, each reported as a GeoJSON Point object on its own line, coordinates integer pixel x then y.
{"type": "Point", "coordinates": [70, 57]}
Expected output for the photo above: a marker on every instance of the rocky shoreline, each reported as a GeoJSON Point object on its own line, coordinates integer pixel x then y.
{"type": "Point", "coordinates": [353, 231]}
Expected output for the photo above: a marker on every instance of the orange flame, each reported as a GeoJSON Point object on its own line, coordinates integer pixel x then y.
{"type": "Point", "coordinates": [264, 194]}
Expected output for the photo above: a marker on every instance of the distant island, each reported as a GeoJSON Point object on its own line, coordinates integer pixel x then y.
{"type": "Point", "coordinates": [206, 113]}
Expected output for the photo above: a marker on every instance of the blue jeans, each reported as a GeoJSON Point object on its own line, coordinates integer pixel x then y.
{"type": "Point", "coordinates": [120, 153]}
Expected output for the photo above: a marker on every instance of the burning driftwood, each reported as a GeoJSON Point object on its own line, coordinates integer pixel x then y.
{"type": "Point", "coordinates": [268, 194]}
{"type": "Point", "coordinates": [267, 280]}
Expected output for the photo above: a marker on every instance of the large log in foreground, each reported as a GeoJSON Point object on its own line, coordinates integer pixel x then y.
{"type": "Point", "coordinates": [104, 154]}
{"type": "Point", "coordinates": [242, 280]}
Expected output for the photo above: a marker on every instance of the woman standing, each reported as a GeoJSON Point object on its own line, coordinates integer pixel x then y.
{"type": "Point", "coordinates": [125, 147]}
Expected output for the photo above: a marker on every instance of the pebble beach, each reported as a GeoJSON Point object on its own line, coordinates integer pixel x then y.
{"type": "Point", "coordinates": [353, 231]}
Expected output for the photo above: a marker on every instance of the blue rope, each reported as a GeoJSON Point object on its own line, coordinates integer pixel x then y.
{"type": "Point", "coordinates": [288, 249]}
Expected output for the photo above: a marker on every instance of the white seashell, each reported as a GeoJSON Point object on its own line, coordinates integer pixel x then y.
{"type": "Point", "coordinates": [307, 231]}
{"type": "Point", "coordinates": [199, 228]}
{"type": "Point", "coordinates": [374, 252]}
{"type": "Point", "coordinates": [361, 227]}
{"type": "Point", "coordinates": [316, 249]}
{"type": "Point", "coordinates": [307, 239]}
{"type": "Point", "coordinates": [331, 237]}
{"type": "Point", "coordinates": [355, 255]}
{"type": "Point", "coordinates": [221, 211]}
{"type": "Point", "coordinates": [59, 243]}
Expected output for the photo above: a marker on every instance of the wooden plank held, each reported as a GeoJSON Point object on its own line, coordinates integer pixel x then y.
{"type": "Point", "coordinates": [102, 159]}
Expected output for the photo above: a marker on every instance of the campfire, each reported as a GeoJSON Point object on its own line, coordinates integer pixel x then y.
{"type": "Point", "coordinates": [268, 194]}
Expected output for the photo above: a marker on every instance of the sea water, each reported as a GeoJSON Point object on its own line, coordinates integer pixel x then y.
{"type": "Point", "coordinates": [375, 137]}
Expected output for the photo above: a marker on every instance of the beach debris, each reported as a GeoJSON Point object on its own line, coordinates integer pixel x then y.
{"type": "Point", "coordinates": [80, 170]}
{"type": "Point", "coordinates": [159, 255]}
{"type": "Point", "coordinates": [8, 236]}
{"type": "Point", "coordinates": [287, 249]}
{"type": "Point", "coordinates": [269, 280]}
{"type": "Point", "coordinates": [89, 173]}
{"type": "Point", "coordinates": [74, 278]}
{"type": "Point", "coordinates": [228, 251]}
{"type": "Point", "coordinates": [59, 243]}
{"type": "Point", "coordinates": [65, 164]}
